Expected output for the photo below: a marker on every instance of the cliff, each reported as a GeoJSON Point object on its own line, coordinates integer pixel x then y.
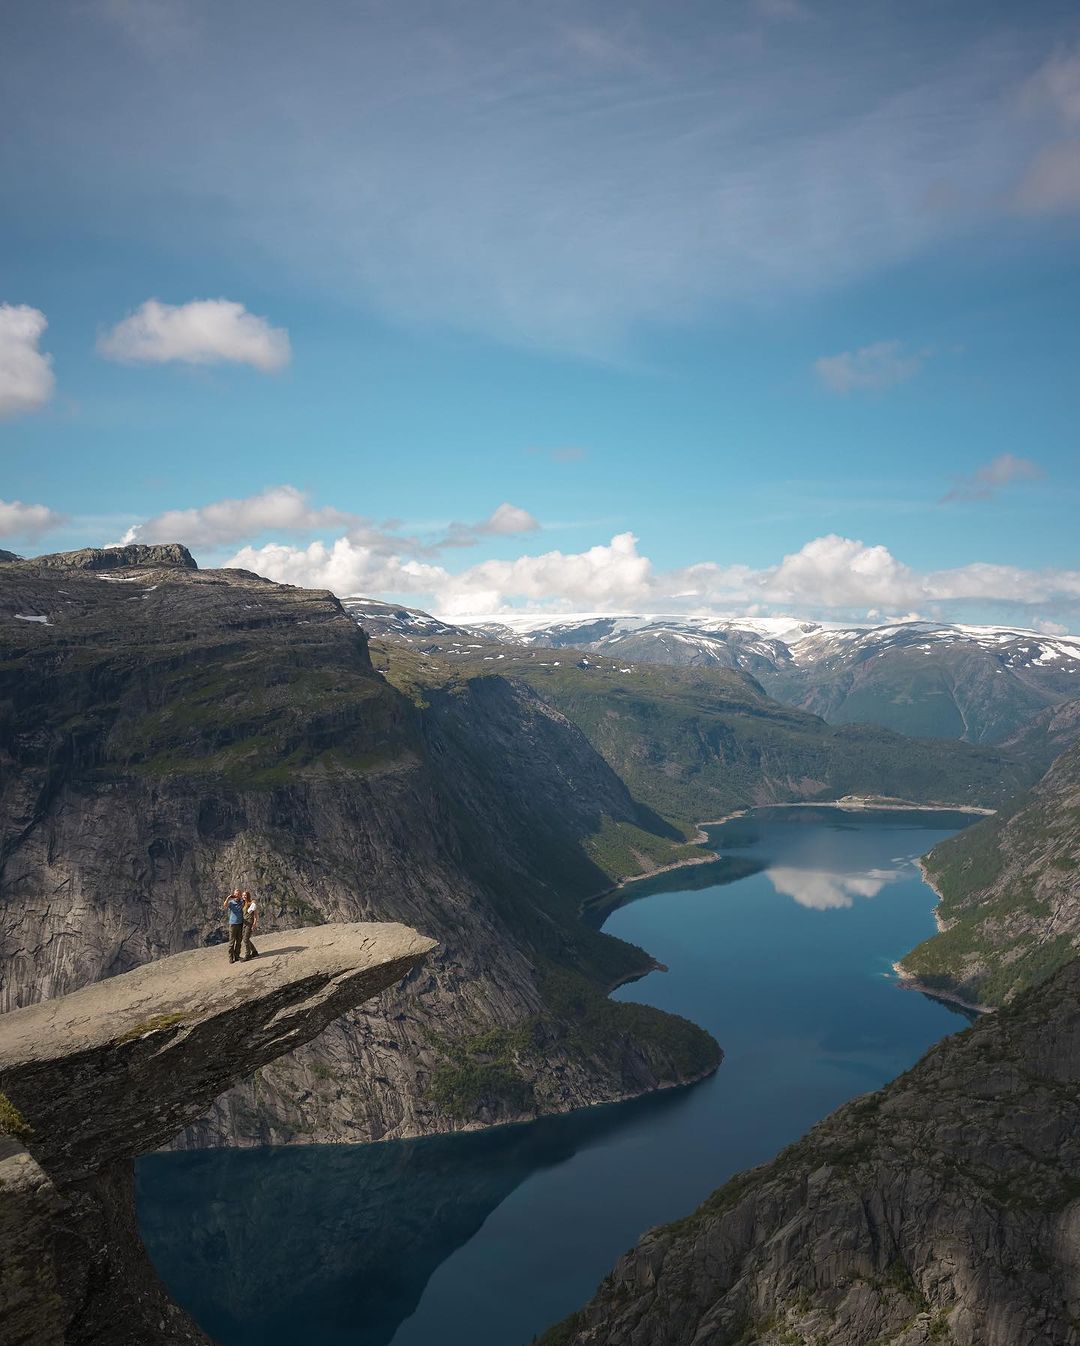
{"type": "Point", "coordinates": [167, 733]}
{"type": "Point", "coordinates": [94, 1078]}
{"type": "Point", "coordinates": [942, 1209]}
{"type": "Point", "coordinates": [1010, 892]}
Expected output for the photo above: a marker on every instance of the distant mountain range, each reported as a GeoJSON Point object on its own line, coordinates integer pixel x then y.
{"type": "Point", "coordinates": [925, 679]}
{"type": "Point", "coordinates": [697, 742]}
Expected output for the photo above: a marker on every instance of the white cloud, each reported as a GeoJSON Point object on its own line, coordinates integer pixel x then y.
{"type": "Point", "coordinates": [612, 576]}
{"type": "Point", "coordinates": [604, 576]}
{"type": "Point", "coordinates": [343, 566]}
{"type": "Point", "coordinates": [26, 377]}
{"type": "Point", "coordinates": [829, 576]}
{"type": "Point", "coordinates": [822, 890]}
{"type": "Point", "coordinates": [880, 365]}
{"type": "Point", "coordinates": [204, 331]}
{"type": "Point", "coordinates": [507, 518]}
{"type": "Point", "coordinates": [227, 521]}
{"type": "Point", "coordinates": [985, 482]}
{"type": "Point", "coordinates": [19, 520]}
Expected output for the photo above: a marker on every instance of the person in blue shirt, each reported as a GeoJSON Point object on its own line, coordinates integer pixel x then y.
{"type": "Point", "coordinates": [234, 905]}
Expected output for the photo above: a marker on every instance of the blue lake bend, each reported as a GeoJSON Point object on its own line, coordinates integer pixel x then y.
{"type": "Point", "coordinates": [782, 948]}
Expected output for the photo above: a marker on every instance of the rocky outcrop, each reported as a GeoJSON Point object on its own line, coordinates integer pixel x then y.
{"type": "Point", "coordinates": [167, 733]}
{"type": "Point", "coordinates": [113, 1070]}
{"type": "Point", "coordinates": [119, 558]}
{"type": "Point", "coordinates": [943, 1209]}
{"type": "Point", "coordinates": [1010, 894]}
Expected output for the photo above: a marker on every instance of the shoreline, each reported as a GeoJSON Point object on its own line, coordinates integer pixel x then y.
{"type": "Point", "coordinates": [867, 803]}
{"type": "Point", "coordinates": [852, 803]}
{"type": "Point", "coordinates": [907, 981]}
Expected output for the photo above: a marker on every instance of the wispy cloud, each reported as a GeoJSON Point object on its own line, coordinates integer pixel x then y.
{"type": "Point", "coordinates": [880, 365]}
{"type": "Point", "coordinates": [279, 508]}
{"type": "Point", "coordinates": [986, 481]}
{"type": "Point", "coordinates": [26, 377]}
{"type": "Point", "coordinates": [504, 521]}
{"type": "Point", "coordinates": [546, 174]}
{"type": "Point", "coordinates": [202, 332]}
{"type": "Point", "coordinates": [1051, 182]}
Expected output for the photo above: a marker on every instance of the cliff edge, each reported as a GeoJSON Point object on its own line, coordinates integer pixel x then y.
{"type": "Point", "coordinates": [94, 1078]}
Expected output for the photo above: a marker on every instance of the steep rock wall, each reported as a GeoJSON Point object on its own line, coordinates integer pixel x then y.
{"type": "Point", "coordinates": [166, 733]}
{"type": "Point", "coordinates": [942, 1209]}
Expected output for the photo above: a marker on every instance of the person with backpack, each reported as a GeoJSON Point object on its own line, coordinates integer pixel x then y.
{"type": "Point", "coordinates": [251, 921]}
{"type": "Point", "coordinates": [234, 905]}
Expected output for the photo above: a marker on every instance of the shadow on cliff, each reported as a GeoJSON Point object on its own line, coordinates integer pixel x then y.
{"type": "Point", "coordinates": [368, 1226]}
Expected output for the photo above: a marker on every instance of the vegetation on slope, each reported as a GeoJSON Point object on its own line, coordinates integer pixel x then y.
{"type": "Point", "coordinates": [694, 743]}
{"type": "Point", "coordinates": [1010, 894]}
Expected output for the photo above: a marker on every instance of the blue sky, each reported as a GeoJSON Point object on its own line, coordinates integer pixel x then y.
{"type": "Point", "coordinates": [760, 306]}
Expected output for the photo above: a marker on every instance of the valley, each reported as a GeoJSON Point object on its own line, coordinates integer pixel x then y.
{"type": "Point", "coordinates": [166, 728]}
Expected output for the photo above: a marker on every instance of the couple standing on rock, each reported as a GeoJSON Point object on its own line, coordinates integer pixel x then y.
{"type": "Point", "coordinates": [243, 919]}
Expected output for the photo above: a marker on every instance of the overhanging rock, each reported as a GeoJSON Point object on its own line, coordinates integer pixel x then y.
{"type": "Point", "coordinates": [115, 1070]}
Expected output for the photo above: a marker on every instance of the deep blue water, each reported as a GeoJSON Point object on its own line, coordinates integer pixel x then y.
{"type": "Point", "coordinates": [782, 949]}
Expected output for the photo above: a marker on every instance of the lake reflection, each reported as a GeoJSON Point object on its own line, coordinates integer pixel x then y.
{"type": "Point", "coordinates": [335, 1243]}
{"type": "Point", "coordinates": [782, 948]}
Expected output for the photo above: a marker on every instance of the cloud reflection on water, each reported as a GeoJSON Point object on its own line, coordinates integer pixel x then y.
{"type": "Point", "coordinates": [825, 890]}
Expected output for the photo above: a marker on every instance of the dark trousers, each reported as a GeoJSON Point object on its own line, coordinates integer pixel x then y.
{"type": "Point", "coordinates": [250, 950]}
{"type": "Point", "coordinates": [236, 934]}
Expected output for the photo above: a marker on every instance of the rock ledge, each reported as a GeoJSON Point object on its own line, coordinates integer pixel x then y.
{"type": "Point", "coordinates": [116, 1069]}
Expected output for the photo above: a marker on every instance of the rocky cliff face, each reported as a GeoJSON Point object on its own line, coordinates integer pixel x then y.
{"type": "Point", "coordinates": [94, 1078]}
{"type": "Point", "coordinates": [944, 1208]}
{"type": "Point", "coordinates": [168, 733]}
{"type": "Point", "coordinates": [1010, 892]}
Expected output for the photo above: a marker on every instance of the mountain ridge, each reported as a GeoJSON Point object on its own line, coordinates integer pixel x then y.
{"type": "Point", "coordinates": [926, 679]}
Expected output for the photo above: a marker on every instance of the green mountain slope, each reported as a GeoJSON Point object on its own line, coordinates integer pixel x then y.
{"type": "Point", "coordinates": [695, 743]}
{"type": "Point", "coordinates": [1010, 894]}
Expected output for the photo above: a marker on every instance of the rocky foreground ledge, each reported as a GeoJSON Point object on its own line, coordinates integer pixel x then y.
{"type": "Point", "coordinates": [94, 1078]}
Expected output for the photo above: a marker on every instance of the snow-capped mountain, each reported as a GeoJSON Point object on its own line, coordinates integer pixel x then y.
{"type": "Point", "coordinates": [931, 679]}
{"type": "Point", "coordinates": [776, 642]}
{"type": "Point", "coordinates": [391, 619]}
